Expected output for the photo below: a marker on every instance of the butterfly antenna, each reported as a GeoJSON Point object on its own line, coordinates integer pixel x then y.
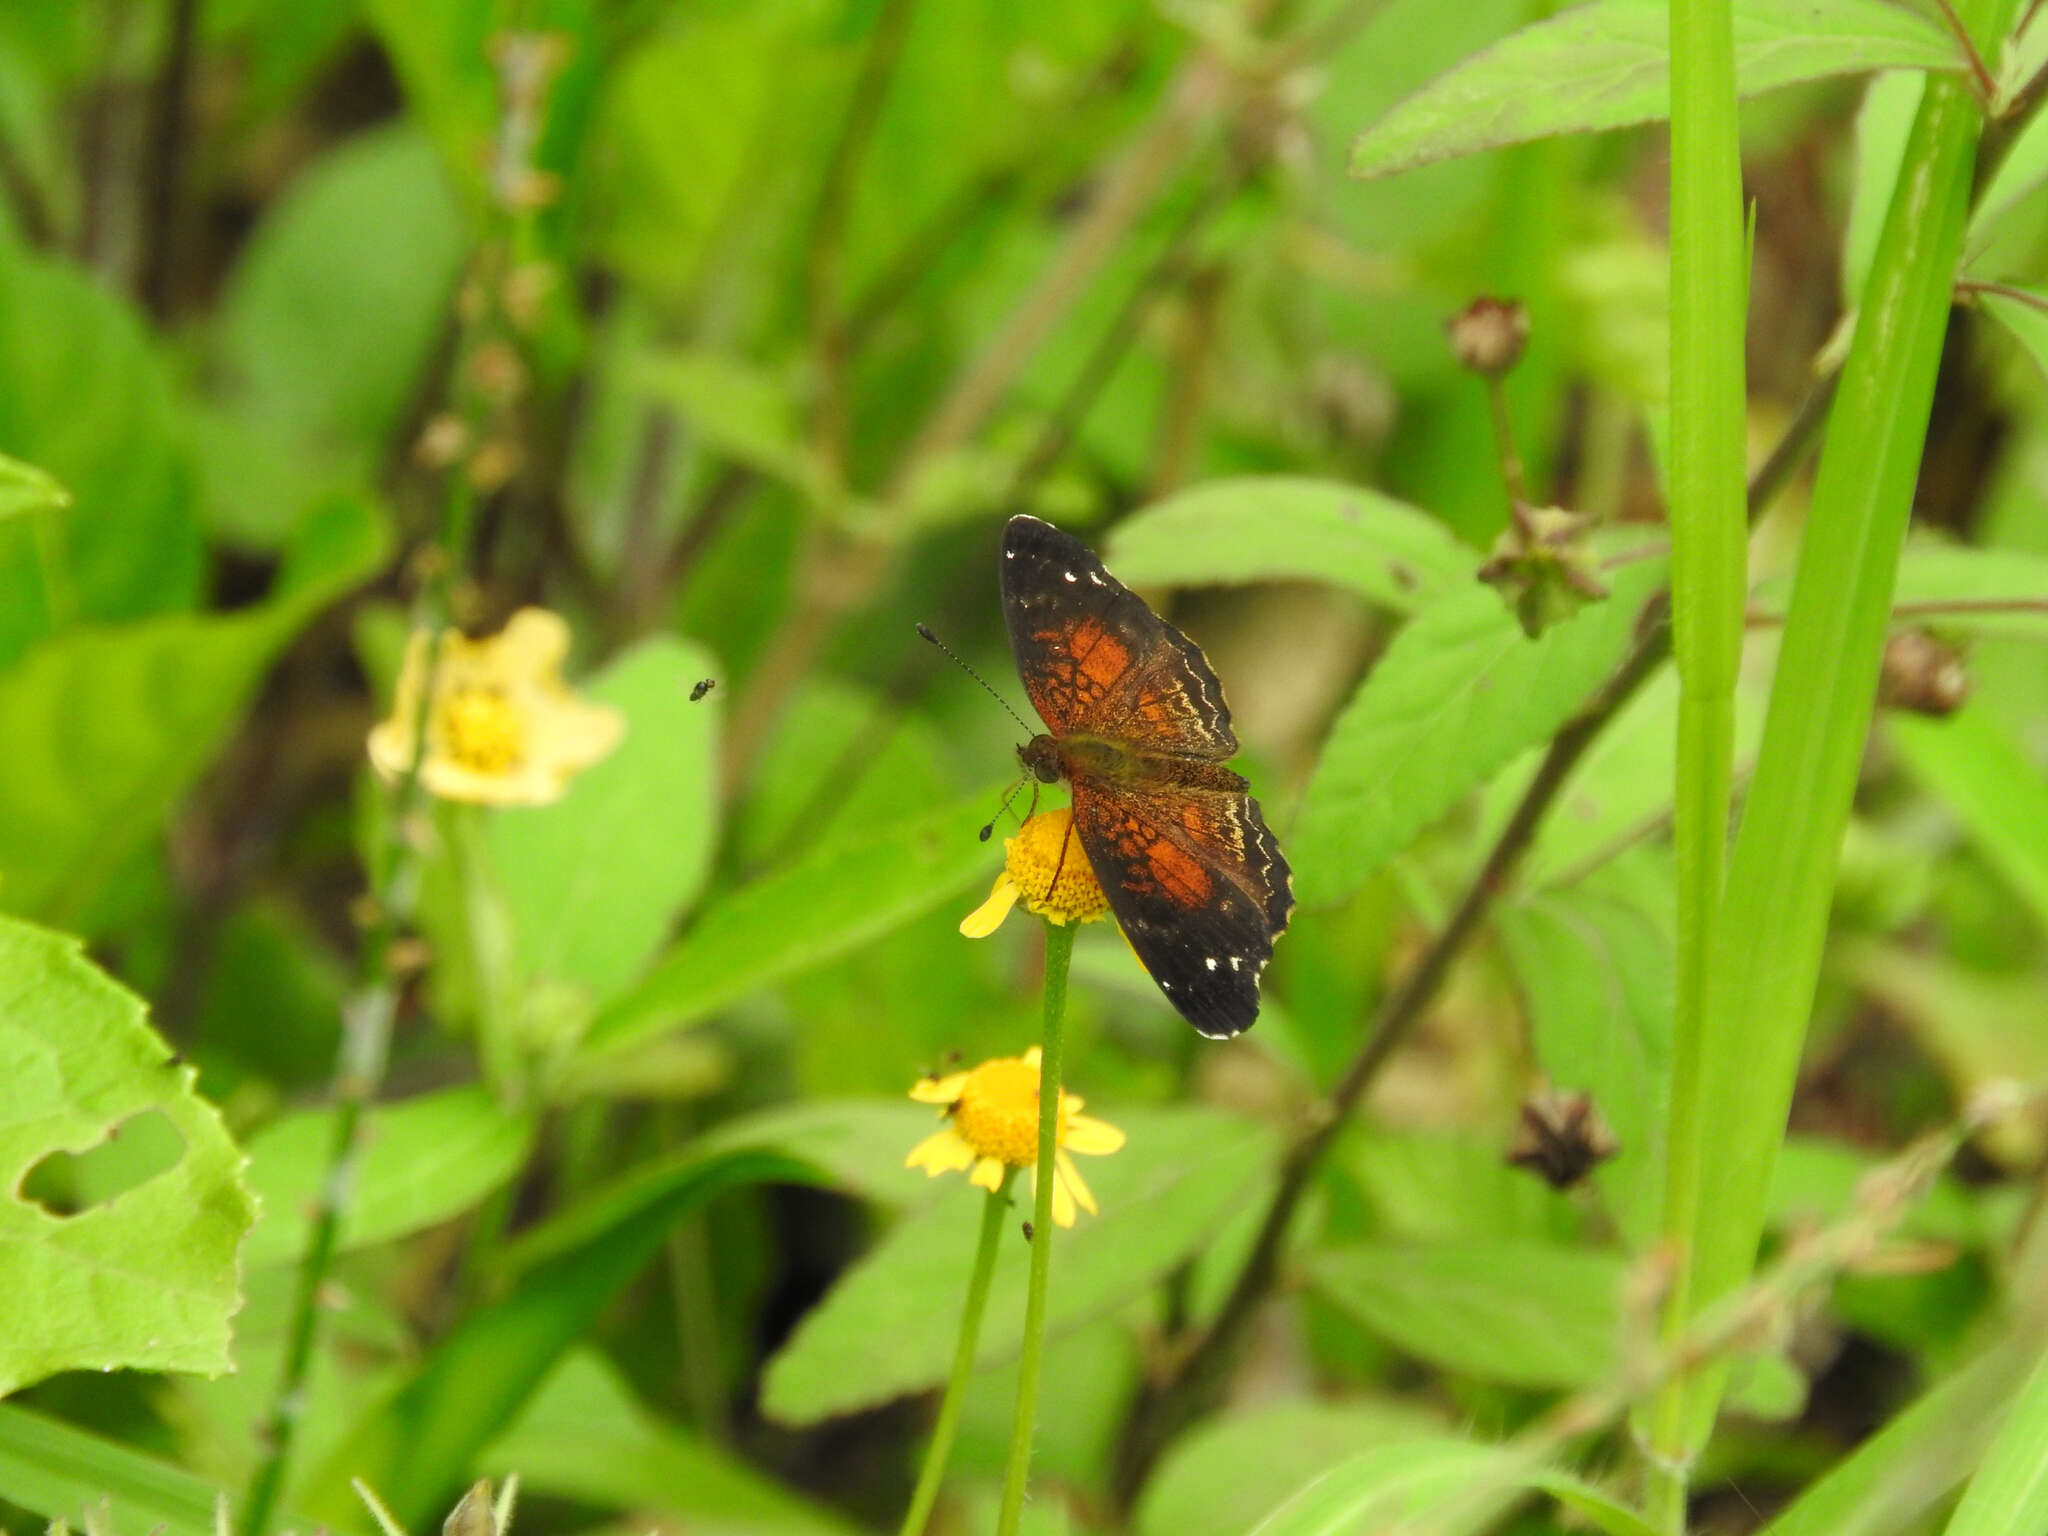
{"type": "Point", "coordinates": [1001, 810]}
{"type": "Point", "coordinates": [954, 656]}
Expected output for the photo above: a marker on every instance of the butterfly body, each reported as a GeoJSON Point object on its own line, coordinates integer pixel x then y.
{"type": "Point", "coordinates": [1137, 727]}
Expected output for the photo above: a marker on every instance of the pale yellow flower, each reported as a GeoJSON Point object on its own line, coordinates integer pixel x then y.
{"type": "Point", "coordinates": [502, 727]}
{"type": "Point", "coordinates": [1043, 845]}
{"type": "Point", "coordinates": [992, 1125]}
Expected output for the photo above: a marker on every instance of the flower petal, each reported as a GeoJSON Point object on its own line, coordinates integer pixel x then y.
{"type": "Point", "coordinates": [1062, 1202]}
{"type": "Point", "coordinates": [1032, 1057]}
{"type": "Point", "coordinates": [1084, 1133]}
{"type": "Point", "coordinates": [942, 1152]}
{"type": "Point", "coordinates": [1070, 1177]}
{"type": "Point", "coordinates": [988, 1173]}
{"type": "Point", "coordinates": [939, 1090]}
{"type": "Point", "coordinates": [988, 917]}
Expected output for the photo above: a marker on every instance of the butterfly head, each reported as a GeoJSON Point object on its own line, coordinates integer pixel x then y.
{"type": "Point", "coordinates": [1042, 760]}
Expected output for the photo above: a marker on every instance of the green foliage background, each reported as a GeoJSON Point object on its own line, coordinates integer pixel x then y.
{"type": "Point", "coordinates": [751, 321]}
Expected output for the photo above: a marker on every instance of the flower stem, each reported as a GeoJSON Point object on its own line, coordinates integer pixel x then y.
{"type": "Point", "coordinates": [941, 1448]}
{"type": "Point", "coordinates": [1059, 950]}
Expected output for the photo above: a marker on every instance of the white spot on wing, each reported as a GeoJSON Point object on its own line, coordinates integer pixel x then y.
{"type": "Point", "coordinates": [1210, 961]}
{"type": "Point", "coordinates": [1009, 554]}
{"type": "Point", "coordinates": [1070, 575]}
{"type": "Point", "coordinates": [1237, 962]}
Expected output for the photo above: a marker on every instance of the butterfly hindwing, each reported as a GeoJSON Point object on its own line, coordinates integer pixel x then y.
{"type": "Point", "coordinates": [1199, 886]}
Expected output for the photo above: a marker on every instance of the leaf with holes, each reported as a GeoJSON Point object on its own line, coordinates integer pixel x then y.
{"type": "Point", "coordinates": [145, 1278]}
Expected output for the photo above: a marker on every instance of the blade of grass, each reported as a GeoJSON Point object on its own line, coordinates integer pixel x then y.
{"type": "Point", "coordinates": [1731, 1094]}
{"type": "Point", "coordinates": [1709, 297]}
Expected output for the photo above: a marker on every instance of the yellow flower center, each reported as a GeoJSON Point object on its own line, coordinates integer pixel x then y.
{"type": "Point", "coordinates": [481, 730]}
{"type": "Point", "coordinates": [997, 1111]}
{"type": "Point", "coordinates": [1051, 870]}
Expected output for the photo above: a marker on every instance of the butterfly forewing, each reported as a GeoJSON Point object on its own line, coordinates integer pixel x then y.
{"type": "Point", "coordinates": [1095, 659]}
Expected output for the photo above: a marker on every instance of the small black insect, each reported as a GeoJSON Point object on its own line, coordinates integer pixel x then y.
{"type": "Point", "coordinates": [704, 686]}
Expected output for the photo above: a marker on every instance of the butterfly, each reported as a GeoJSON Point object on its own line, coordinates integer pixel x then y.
{"type": "Point", "coordinates": [1136, 724]}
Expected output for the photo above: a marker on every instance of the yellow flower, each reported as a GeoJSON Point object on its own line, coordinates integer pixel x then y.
{"type": "Point", "coordinates": [502, 727]}
{"type": "Point", "coordinates": [992, 1125]}
{"type": "Point", "coordinates": [1043, 845]}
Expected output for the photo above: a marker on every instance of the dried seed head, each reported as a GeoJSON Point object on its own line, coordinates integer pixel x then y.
{"type": "Point", "coordinates": [1488, 335]}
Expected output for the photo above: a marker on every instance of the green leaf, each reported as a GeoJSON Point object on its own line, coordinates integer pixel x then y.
{"type": "Point", "coordinates": [596, 882]}
{"type": "Point", "coordinates": [1732, 1096]}
{"type": "Point", "coordinates": [1596, 964]}
{"type": "Point", "coordinates": [422, 1441]}
{"type": "Point", "coordinates": [1219, 1478]}
{"type": "Point", "coordinates": [85, 396]}
{"type": "Point", "coordinates": [1883, 124]}
{"type": "Point", "coordinates": [2008, 1496]}
{"type": "Point", "coordinates": [423, 1161]}
{"type": "Point", "coordinates": [585, 1437]}
{"type": "Point", "coordinates": [857, 1145]}
{"type": "Point", "coordinates": [1459, 692]}
{"type": "Point", "coordinates": [109, 726]}
{"type": "Point", "coordinates": [1956, 587]}
{"type": "Point", "coordinates": [738, 408]}
{"type": "Point", "coordinates": [1556, 1325]}
{"type": "Point", "coordinates": [146, 1280]}
{"type": "Point", "coordinates": [1909, 1465]}
{"type": "Point", "coordinates": [1384, 1488]}
{"type": "Point", "coordinates": [1607, 65]}
{"type": "Point", "coordinates": [1292, 528]}
{"type": "Point", "coordinates": [2023, 311]}
{"type": "Point", "coordinates": [24, 489]}
{"type": "Point", "coordinates": [830, 901]}
{"type": "Point", "coordinates": [886, 1328]}
{"type": "Point", "coordinates": [1991, 785]}
{"type": "Point", "coordinates": [329, 319]}
{"type": "Point", "coordinates": [61, 1473]}
{"type": "Point", "coordinates": [1448, 1186]}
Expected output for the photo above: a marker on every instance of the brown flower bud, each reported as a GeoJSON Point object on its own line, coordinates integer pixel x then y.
{"type": "Point", "coordinates": [1562, 1137]}
{"type": "Point", "coordinates": [1489, 334]}
{"type": "Point", "coordinates": [1922, 675]}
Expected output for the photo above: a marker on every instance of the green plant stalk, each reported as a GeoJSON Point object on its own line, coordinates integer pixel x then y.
{"type": "Point", "coordinates": [1059, 952]}
{"type": "Point", "coordinates": [1709, 530]}
{"type": "Point", "coordinates": [366, 1019]}
{"type": "Point", "coordinates": [940, 1450]}
{"type": "Point", "coordinates": [1730, 1097]}
{"type": "Point", "coordinates": [2008, 1495]}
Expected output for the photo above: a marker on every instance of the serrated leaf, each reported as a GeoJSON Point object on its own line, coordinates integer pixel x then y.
{"type": "Point", "coordinates": [595, 883]}
{"type": "Point", "coordinates": [423, 1161]}
{"type": "Point", "coordinates": [1556, 1325]}
{"type": "Point", "coordinates": [108, 726]}
{"type": "Point", "coordinates": [1459, 692]}
{"type": "Point", "coordinates": [146, 1280]}
{"type": "Point", "coordinates": [828, 902]}
{"type": "Point", "coordinates": [1607, 65]}
{"type": "Point", "coordinates": [1596, 966]}
{"type": "Point", "coordinates": [886, 1329]}
{"type": "Point", "coordinates": [1292, 528]}
{"type": "Point", "coordinates": [24, 489]}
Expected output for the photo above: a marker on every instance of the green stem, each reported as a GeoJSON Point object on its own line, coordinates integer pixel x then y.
{"type": "Point", "coordinates": [366, 1019]}
{"type": "Point", "coordinates": [992, 1212]}
{"type": "Point", "coordinates": [1059, 950]}
{"type": "Point", "coordinates": [1709, 290]}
